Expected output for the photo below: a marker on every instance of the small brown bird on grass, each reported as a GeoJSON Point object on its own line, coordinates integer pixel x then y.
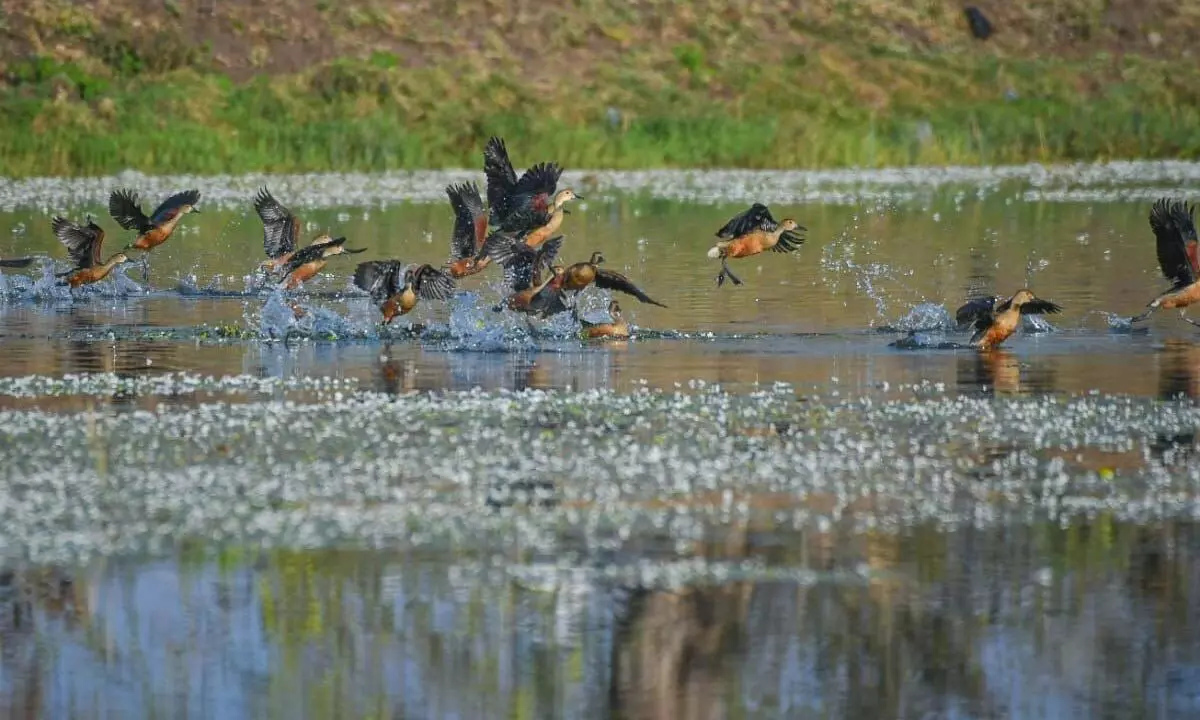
{"type": "Point", "coordinates": [281, 232]}
{"type": "Point", "coordinates": [750, 233]}
{"type": "Point", "coordinates": [311, 260]}
{"type": "Point", "coordinates": [83, 245]}
{"type": "Point", "coordinates": [995, 319]}
{"type": "Point", "coordinates": [1175, 240]}
{"type": "Point", "coordinates": [396, 287]}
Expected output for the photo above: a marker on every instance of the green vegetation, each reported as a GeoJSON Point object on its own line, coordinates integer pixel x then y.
{"type": "Point", "coordinates": [718, 84]}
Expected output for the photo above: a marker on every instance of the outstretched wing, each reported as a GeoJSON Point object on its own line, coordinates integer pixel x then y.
{"type": "Point", "coordinates": [281, 229]}
{"type": "Point", "coordinates": [977, 312]}
{"type": "Point", "coordinates": [125, 207]}
{"type": "Point", "coordinates": [758, 217]}
{"type": "Point", "coordinates": [501, 178]}
{"type": "Point", "coordinates": [1038, 306]}
{"type": "Point", "coordinates": [1175, 240]}
{"type": "Point", "coordinates": [528, 206]}
{"type": "Point", "coordinates": [610, 280]}
{"type": "Point", "coordinates": [789, 241]}
{"type": "Point", "coordinates": [379, 278]}
{"type": "Point", "coordinates": [431, 283]}
{"type": "Point", "coordinates": [470, 221]}
{"type": "Point", "coordinates": [172, 205]}
{"type": "Point", "coordinates": [82, 243]}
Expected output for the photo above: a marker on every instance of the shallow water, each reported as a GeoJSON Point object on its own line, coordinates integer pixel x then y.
{"type": "Point", "coordinates": [759, 506]}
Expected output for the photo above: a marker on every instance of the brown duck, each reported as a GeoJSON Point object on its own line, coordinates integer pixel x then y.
{"type": "Point", "coordinates": [470, 231]}
{"type": "Point", "coordinates": [83, 245]}
{"type": "Point", "coordinates": [995, 319]}
{"type": "Point", "coordinates": [531, 208]}
{"type": "Point", "coordinates": [396, 287]}
{"type": "Point", "coordinates": [281, 232]}
{"type": "Point", "coordinates": [616, 328]}
{"type": "Point", "coordinates": [311, 260]}
{"type": "Point", "coordinates": [531, 291]}
{"type": "Point", "coordinates": [578, 276]}
{"type": "Point", "coordinates": [750, 233]}
{"type": "Point", "coordinates": [1175, 239]}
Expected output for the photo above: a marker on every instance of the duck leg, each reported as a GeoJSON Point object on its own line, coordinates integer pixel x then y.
{"type": "Point", "coordinates": [145, 268]}
{"type": "Point", "coordinates": [1185, 318]}
{"type": "Point", "coordinates": [727, 273]}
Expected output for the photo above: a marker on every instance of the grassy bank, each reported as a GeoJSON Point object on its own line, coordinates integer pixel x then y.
{"type": "Point", "coordinates": [733, 86]}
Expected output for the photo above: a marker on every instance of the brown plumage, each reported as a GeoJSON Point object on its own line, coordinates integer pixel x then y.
{"type": "Point", "coordinates": [309, 261]}
{"type": "Point", "coordinates": [995, 319]}
{"type": "Point", "coordinates": [83, 245]}
{"type": "Point", "coordinates": [470, 230]}
{"type": "Point", "coordinates": [531, 208]}
{"type": "Point", "coordinates": [523, 267]}
{"type": "Point", "coordinates": [578, 276]}
{"type": "Point", "coordinates": [1175, 240]}
{"type": "Point", "coordinates": [152, 231]}
{"type": "Point", "coordinates": [396, 287]}
{"type": "Point", "coordinates": [281, 232]}
{"type": "Point", "coordinates": [616, 328]}
{"type": "Point", "coordinates": [750, 233]}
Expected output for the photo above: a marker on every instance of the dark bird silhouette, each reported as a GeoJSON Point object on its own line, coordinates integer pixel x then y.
{"type": "Point", "coordinates": [281, 232]}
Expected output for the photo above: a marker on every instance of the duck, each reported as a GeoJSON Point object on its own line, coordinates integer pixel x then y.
{"type": "Point", "coordinates": [470, 231]}
{"type": "Point", "coordinates": [281, 232]}
{"type": "Point", "coordinates": [750, 233]}
{"type": "Point", "coordinates": [523, 267]}
{"type": "Point", "coordinates": [83, 243]}
{"type": "Point", "coordinates": [578, 276]}
{"type": "Point", "coordinates": [995, 319]}
{"type": "Point", "coordinates": [1174, 228]}
{"type": "Point", "coordinates": [530, 207]}
{"type": "Point", "coordinates": [125, 207]}
{"type": "Point", "coordinates": [616, 328]}
{"type": "Point", "coordinates": [309, 261]}
{"type": "Point", "coordinates": [396, 287]}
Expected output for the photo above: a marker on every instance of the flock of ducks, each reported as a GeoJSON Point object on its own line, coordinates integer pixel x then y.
{"type": "Point", "coordinates": [518, 231]}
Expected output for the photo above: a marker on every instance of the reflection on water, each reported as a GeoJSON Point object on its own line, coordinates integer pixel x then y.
{"type": "Point", "coordinates": [1090, 620]}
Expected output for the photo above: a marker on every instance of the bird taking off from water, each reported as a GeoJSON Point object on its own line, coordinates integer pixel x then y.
{"type": "Point", "coordinates": [995, 319]}
{"type": "Point", "coordinates": [83, 245]}
{"type": "Point", "coordinates": [1174, 230]}
{"type": "Point", "coordinates": [750, 233]}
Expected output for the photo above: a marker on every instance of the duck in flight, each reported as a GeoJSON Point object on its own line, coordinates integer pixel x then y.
{"type": "Point", "coordinates": [470, 231]}
{"type": "Point", "coordinates": [1174, 228]}
{"type": "Point", "coordinates": [995, 319]}
{"type": "Point", "coordinates": [578, 276]}
{"type": "Point", "coordinates": [125, 207]}
{"type": "Point", "coordinates": [530, 207]}
{"type": "Point", "coordinates": [281, 232]}
{"type": "Point", "coordinates": [309, 261]}
{"type": "Point", "coordinates": [396, 287]}
{"type": "Point", "coordinates": [750, 233]}
{"type": "Point", "coordinates": [530, 290]}
{"type": "Point", "coordinates": [83, 243]}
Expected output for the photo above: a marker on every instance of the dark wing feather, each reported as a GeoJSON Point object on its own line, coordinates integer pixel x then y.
{"type": "Point", "coordinates": [977, 312]}
{"type": "Point", "coordinates": [16, 262]}
{"type": "Point", "coordinates": [548, 252]}
{"type": "Point", "coordinates": [528, 204]}
{"type": "Point", "coordinates": [758, 217]}
{"type": "Point", "coordinates": [1174, 229]}
{"type": "Point", "coordinates": [548, 301]}
{"type": "Point", "coordinates": [1038, 306]}
{"type": "Point", "coordinates": [501, 178]}
{"type": "Point", "coordinates": [281, 229]}
{"type": "Point", "coordinates": [170, 207]}
{"type": "Point", "coordinates": [610, 280]}
{"type": "Point", "coordinates": [379, 278]}
{"type": "Point", "coordinates": [125, 207]}
{"type": "Point", "coordinates": [306, 255]}
{"type": "Point", "coordinates": [432, 284]}
{"type": "Point", "coordinates": [82, 243]}
{"type": "Point", "coordinates": [468, 212]}
{"type": "Point", "coordinates": [789, 241]}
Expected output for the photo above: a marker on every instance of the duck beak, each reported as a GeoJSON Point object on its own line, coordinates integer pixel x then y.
{"type": "Point", "coordinates": [354, 250]}
{"type": "Point", "coordinates": [566, 211]}
{"type": "Point", "coordinates": [579, 197]}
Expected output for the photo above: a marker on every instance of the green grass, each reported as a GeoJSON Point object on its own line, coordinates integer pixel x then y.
{"type": "Point", "coordinates": [876, 108]}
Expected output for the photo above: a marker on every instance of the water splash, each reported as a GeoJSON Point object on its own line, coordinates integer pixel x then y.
{"type": "Point", "coordinates": [923, 317]}
{"type": "Point", "coordinates": [474, 327]}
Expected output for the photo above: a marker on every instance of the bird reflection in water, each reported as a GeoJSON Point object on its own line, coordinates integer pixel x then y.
{"type": "Point", "coordinates": [1178, 379]}
{"type": "Point", "coordinates": [998, 371]}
